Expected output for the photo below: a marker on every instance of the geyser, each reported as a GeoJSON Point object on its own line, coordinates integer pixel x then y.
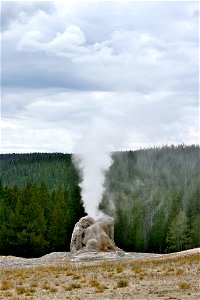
{"type": "Point", "coordinates": [93, 159]}
{"type": "Point", "coordinates": [93, 235]}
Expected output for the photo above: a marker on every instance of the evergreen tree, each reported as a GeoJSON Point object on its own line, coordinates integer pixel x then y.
{"type": "Point", "coordinates": [148, 188]}
{"type": "Point", "coordinates": [4, 221]}
{"type": "Point", "coordinates": [44, 198]}
{"type": "Point", "coordinates": [57, 225]}
{"type": "Point", "coordinates": [157, 237]}
{"type": "Point", "coordinates": [194, 204]}
{"type": "Point", "coordinates": [179, 234]}
{"type": "Point", "coordinates": [1, 190]}
{"type": "Point", "coordinates": [120, 228]}
{"type": "Point", "coordinates": [196, 231]}
{"type": "Point", "coordinates": [28, 224]}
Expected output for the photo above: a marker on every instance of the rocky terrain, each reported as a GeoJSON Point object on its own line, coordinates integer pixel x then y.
{"type": "Point", "coordinates": [59, 258]}
{"type": "Point", "coordinates": [102, 275]}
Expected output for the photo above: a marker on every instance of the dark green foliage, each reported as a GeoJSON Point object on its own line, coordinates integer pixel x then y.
{"type": "Point", "coordinates": [196, 230]}
{"type": "Point", "coordinates": [153, 195]}
{"type": "Point", "coordinates": [149, 188]}
{"type": "Point", "coordinates": [179, 234]}
{"type": "Point", "coordinates": [38, 217]}
{"type": "Point", "coordinates": [57, 224]}
{"type": "Point", "coordinates": [38, 222]}
{"type": "Point", "coordinates": [54, 169]}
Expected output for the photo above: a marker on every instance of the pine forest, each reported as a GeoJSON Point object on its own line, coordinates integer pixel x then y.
{"type": "Point", "coordinates": [153, 195]}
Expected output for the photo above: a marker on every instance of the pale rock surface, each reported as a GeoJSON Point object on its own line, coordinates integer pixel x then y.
{"type": "Point", "coordinates": [90, 235]}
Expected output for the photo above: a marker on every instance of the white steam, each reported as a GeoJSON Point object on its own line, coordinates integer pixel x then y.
{"type": "Point", "coordinates": [93, 158]}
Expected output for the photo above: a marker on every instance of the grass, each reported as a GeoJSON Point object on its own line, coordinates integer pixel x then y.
{"type": "Point", "coordinates": [179, 272]}
{"type": "Point", "coordinates": [72, 286]}
{"type": "Point", "coordinates": [94, 283]}
{"type": "Point", "coordinates": [75, 285]}
{"type": "Point", "coordinates": [34, 284]}
{"type": "Point", "coordinates": [119, 269]}
{"type": "Point", "coordinates": [137, 268]}
{"type": "Point", "coordinates": [122, 283]}
{"type": "Point", "coordinates": [53, 290]}
{"type": "Point", "coordinates": [20, 290]}
{"type": "Point", "coordinates": [6, 285]}
{"type": "Point", "coordinates": [46, 286]}
{"type": "Point", "coordinates": [69, 273]}
{"type": "Point", "coordinates": [132, 275]}
{"type": "Point", "coordinates": [184, 285]}
{"type": "Point", "coordinates": [75, 276]}
{"type": "Point", "coordinates": [99, 288]}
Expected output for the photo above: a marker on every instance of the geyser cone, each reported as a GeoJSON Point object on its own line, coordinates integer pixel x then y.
{"type": "Point", "coordinates": [93, 235]}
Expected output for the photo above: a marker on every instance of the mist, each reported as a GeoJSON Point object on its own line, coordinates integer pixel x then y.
{"type": "Point", "coordinates": [93, 159]}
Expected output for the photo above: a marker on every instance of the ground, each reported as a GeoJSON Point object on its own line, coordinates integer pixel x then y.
{"type": "Point", "coordinates": [170, 276]}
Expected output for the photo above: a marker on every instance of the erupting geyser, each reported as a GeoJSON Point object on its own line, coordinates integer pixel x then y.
{"type": "Point", "coordinates": [92, 158]}
{"type": "Point", "coordinates": [91, 235]}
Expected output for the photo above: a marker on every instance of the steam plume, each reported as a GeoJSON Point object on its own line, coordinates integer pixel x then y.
{"type": "Point", "coordinates": [93, 159]}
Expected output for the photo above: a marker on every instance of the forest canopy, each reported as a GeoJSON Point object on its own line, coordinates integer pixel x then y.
{"type": "Point", "coordinates": [153, 195]}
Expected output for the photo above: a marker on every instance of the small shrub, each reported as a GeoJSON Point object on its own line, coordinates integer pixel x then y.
{"type": "Point", "coordinates": [100, 288]}
{"type": "Point", "coordinates": [69, 273]}
{"type": "Point", "coordinates": [68, 288]}
{"type": "Point", "coordinates": [184, 285]}
{"type": "Point", "coordinates": [20, 290]}
{"type": "Point", "coordinates": [179, 272]}
{"type": "Point", "coordinates": [76, 285]}
{"type": "Point", "coordinates": [6, 285]}
{"type": "Point", "coordinates": [137, 270]}
{"type": "Point", "coordinates": [72, 286]}
{"type": "Point", "coordinates": [170, 269]}
{"type": "Point", "coordinates": [122, 283]}
{"type": "Point", "coordinates": [94, 283]}
{"type": "Point", "coordinates": [119, 269]}
{"type": "Point", "coordinates": [76, 276]}
{"type": "Point", "coordinates": [46, 287]}
{"type": "Point", "coordinates": [53, 290]}
{"type": "Point", "coordinates": [34, 284]}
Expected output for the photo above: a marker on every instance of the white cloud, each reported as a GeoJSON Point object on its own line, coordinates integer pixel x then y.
{"type": "Point", "coordinates": [25, 135]}
{"type": "Point", "coordinates": [66, 44]}
{"type": "Point", "coordinates": [60, 119]}
{"type": "Point", "coordinates": [64, 65]}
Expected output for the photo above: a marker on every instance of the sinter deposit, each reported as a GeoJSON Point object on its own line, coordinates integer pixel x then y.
{"type": "Point", "coordinates": [93, 235]}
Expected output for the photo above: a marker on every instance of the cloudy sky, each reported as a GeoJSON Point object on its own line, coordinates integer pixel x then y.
{"type": "Point", "coordinates": [69, 65]}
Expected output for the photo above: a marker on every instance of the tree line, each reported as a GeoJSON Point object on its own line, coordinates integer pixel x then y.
{"type": "Point", "coordinates": [35, 220]}
{"type": "Point", "coordinates": [153, 195]}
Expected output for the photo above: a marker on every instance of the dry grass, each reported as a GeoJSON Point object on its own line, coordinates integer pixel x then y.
{"type": "Point", "coordinates": [20, 290]}
{"type": "Point", "coordinates": [175, 277]}
{"type": "Point", "coordinates": [122, 283]}
{"type": "Point", "coordinates": [6, 285]}
{"type": "Point", "coordinates": [119, 269]}
{"type": "Point", "coordinates": [72, 286]}
{"type": "Point", "coordinates": [94, 283]}
{"type": "Point", "coordinates": [184, 285]}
